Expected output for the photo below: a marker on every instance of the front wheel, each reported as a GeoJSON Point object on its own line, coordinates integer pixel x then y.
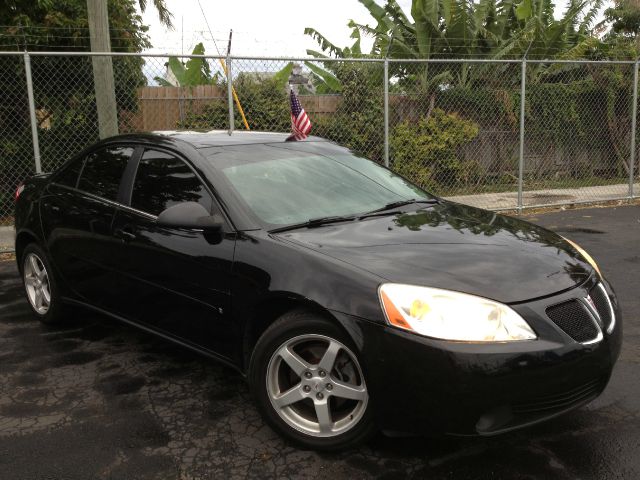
{"type": "Point", "coordinates": [309, 384]}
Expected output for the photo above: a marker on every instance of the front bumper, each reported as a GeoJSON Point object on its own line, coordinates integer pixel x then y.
{"type": "Point", "coordinates": [418, 384]}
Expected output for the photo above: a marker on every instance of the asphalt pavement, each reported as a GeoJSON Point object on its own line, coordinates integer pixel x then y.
{"type": "Point", "coordinates": [96, 399]}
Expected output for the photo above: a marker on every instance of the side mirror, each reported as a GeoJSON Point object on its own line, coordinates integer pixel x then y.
{"type": "Point", "coordinates": [190, 215]}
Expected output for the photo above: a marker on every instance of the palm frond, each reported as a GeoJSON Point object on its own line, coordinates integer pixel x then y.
{"type": "Point", "coordinates": [327, 78]}
{"type": "Point", "coordinates": [164, 15]}
{"type": "Point", "coordinates": [163, 82]}
{"type": "Point", "coordinates": [378, 13]}
{"type": "Point", "coordinates": [323, 42]}
{"type": "Point", "coordinates": [281, 77]}
{"type": "Point", "coordinates": [315, 53]}
{"type": "Point", "coordinates": [397, 15]}
{"type": "Point", "coordinates": [586, 25]}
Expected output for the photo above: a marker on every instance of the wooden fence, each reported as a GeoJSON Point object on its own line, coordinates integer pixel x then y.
{"type": "Point", "coordinates": [161, 108]}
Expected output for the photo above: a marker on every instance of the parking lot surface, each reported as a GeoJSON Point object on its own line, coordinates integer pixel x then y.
{"type": "Point", "coordinates": [96, 399]}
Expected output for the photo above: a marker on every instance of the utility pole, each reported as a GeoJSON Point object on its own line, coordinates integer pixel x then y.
{"type": "Point", "coordinates": [102, 68]}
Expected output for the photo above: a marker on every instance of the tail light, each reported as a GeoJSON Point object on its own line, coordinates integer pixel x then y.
{"type": "Point", "coordinates": [19, 190]}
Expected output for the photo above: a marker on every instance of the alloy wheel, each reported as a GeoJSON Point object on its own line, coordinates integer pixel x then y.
{"type": "Point", "coordinates": [36, 281]}
{"type": "Point", "coordinates": [316, 385]}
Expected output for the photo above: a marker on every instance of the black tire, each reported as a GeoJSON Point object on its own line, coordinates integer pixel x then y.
{"type": "Point", "coordinates": [55, 311]}
{"type": "Point", "coordinates": [289, 327]}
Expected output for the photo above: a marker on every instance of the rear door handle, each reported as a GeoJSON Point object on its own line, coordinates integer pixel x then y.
{"type": "Point", "coordinates": [124, 234]}
{"type": "Point", "coordinates": [51, 206]}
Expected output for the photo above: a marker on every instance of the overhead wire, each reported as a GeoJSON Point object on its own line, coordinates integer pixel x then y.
{"type": "Point", "coordinates": [224, 68]}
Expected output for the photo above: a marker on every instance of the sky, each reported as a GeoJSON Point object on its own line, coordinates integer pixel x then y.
{"type": "Point", "coordinates": [261, 27]}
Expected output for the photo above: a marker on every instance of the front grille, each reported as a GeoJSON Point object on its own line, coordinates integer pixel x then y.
{"type": "Point", "coordinates": [559, 401]}
{"type": "Point", "coordinates": [574, 319]}
{"type": "Point", "coordinates": [601, 302]}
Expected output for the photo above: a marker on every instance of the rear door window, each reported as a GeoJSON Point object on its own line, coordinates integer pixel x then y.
{"type": "Point", "coordinates": [163, 180]}
{"type": "Point", "coordinates": [103, 171]}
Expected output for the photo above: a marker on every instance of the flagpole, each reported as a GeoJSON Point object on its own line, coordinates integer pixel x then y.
{"type": "Point", "coordinates": [386, 100]}
{"type": "Point", "coordinates": [231, 89]}
{"type": "Point", "coordinates": [386, 112]}
{"type": "Point", "coordinates": [235, 96]}
{"type": "Point", "coordinates": [232, 119]}
{"type": "Point", "coordinates": [224, 67]}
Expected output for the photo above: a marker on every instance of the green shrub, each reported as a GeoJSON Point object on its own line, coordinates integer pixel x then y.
{"type": "Point", "coordinates": [427, 151]}
{"type": "Point", "coordinates": [264, 101]}
{"type": "Point", "coordinates": [489, 107]}
{"type": "Point", "coordinates": [358, 122]}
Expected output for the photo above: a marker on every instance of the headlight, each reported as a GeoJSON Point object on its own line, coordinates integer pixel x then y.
{"type": "Point", "coordinates": [585, 255]}
{"type": "Point", "coordinates": [451, 315]}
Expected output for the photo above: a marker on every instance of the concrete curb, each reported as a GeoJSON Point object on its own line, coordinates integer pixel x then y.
{"type": "Point", "coordinates": [7, 239]}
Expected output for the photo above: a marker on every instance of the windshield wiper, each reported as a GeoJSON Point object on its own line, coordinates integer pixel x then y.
{"type": "Point", "coordinates": [399, 203]}
{"type": "Point", "coordinates": [313, 222]}
{"type": "Point", "coordinates": [316, 222]}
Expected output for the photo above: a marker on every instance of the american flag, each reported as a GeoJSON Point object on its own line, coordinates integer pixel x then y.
{"type": "Point", "coordinates": [300, 123]}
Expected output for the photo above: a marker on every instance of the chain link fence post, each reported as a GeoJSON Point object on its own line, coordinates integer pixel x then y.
{"type": "Point", "coordinates": [230, 95]}
{"type": "Point", "coordinates": [634, 111]}
{"type": "Point", "coordinates": [521, 153]}
{"type": "Point", "coordinates": [386, 112]}
{"type": "Point", "coordinates": [32, 113]}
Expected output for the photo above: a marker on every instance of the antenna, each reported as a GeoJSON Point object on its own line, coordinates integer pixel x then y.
{"type": "Point", "coordinates": [230, 90]}
{"type": "Point", "coordinates": [209, 28]}
{"type": "Point", "coordinates": [227, 73]}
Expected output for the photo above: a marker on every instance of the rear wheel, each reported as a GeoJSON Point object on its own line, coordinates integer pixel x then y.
{"type": "Point", "coordinates": [40, 285]}
{"type": "Point", "coordinates": [309, 384]}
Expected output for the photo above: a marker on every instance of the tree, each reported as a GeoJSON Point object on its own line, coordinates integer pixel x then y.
{"type": "Point", "coordinates": [63, 86]}
{"type": "Point", "coordinates": [62, 25]}
{"type": "Point", "coordinates": [164, 15]}
{"type": "Point", "coordinates": [462, 28]}
{"type": "Point", "coordinates": [624, 17]}
{"type": "Point", "coordinates": [622, 28]}
{"type": "Point", "coordinates": [466, 29]}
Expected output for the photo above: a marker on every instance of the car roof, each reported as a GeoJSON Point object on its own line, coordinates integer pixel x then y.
{"type": "Point", "coordinates": [217, 138]}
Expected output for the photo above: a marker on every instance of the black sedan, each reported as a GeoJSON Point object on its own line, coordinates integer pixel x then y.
{"type": "Point", "coordinates": [351, 299]}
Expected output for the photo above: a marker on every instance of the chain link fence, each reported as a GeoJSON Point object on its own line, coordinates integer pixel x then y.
{"type": "Point", "coordinates": [496, 134]}
{"type": "Point", "coordinates": [16, 151]}
{"type": "Point", "coordinates": [578, 125]}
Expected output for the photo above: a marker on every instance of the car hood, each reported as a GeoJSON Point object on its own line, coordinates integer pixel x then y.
{"type": "Point", "coordinates": [454, 247]}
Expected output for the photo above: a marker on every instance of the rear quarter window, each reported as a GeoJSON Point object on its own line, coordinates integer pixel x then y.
{"type": "Point", "coordinates": [69, 174]}
{"type": "Point", "coordinates": [103, 171]}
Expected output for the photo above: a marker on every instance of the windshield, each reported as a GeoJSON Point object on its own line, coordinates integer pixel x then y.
{"type": "Point", "coordinates": [286, 184]}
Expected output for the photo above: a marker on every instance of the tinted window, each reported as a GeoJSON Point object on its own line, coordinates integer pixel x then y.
{"type": "Point", "coordinates": [163, 180]}
{"type": "Point", "coordinates": [103, 170]}
{"type": "Point", "coordinates": [69, 176]}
